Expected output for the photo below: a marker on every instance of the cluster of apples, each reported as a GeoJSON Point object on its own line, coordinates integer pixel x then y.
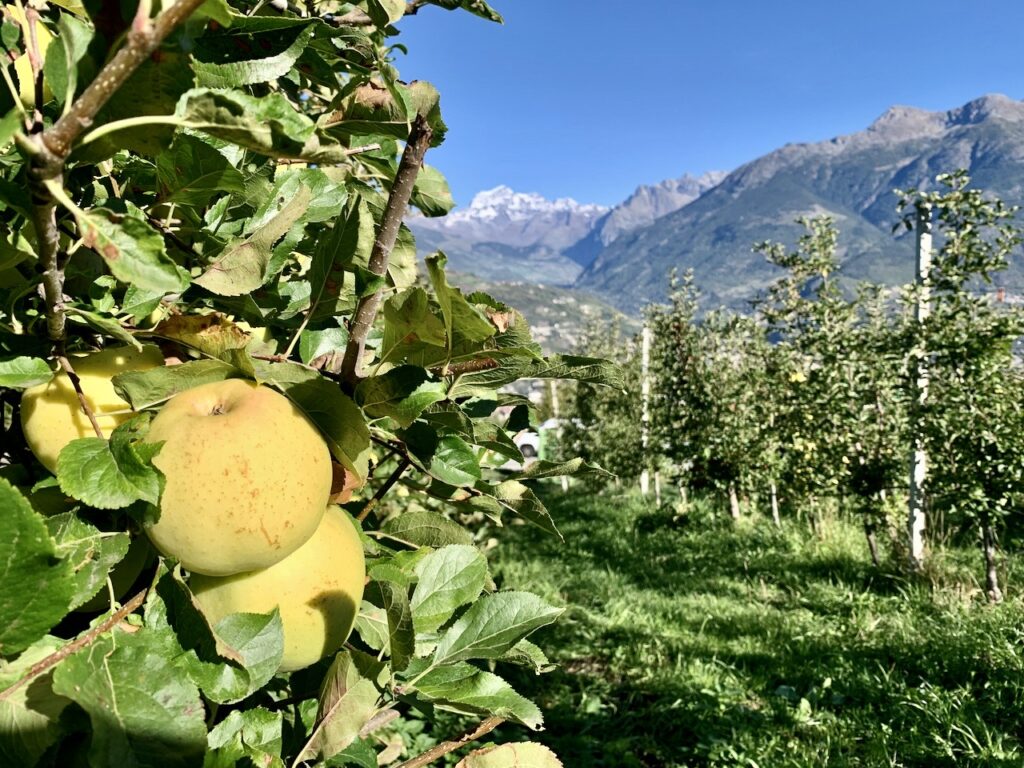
{"type": "Point", "coordinates": [245, 505]}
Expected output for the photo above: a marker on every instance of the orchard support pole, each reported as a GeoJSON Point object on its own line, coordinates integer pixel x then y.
{"type": "Point", "coordinates": [919, 459]}
{"type": "Point", "coordinates": [645, 417]}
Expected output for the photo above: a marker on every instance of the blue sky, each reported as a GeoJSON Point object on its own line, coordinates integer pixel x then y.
{"type": "Point", "coordinates": [589, 98]}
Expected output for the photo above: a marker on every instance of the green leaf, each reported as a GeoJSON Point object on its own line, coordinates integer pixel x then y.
{"type": "Point", "coordinates": [66, 50]}
{"type": "Point", "coordinates": [37, 587]}
{"type": "Point", "coordinates": [105, 325]}
{"type": "Point", "coordinates": [431, 193]}
{"type": "Point", "coordinates": [333, 412]}
{"type": "Point", "coordinates": [267, 125]}
{"type": "Point", "coordinates": [256, 734]}
{"type": "Point", "coordinates": [111, 474]}
{"type": "Point", "coordinates": [476, 7]}
{"type": "Point", "coordinates": [242, 266]}
{"type": "Point", "coordinates": [590, 370]}
{"type": "Point", "coordinates": [385, 12]}
{"type": "Point", "coordinates": [395, 602]}
{"type": "Point", "coordinates": [191, 172]}
{"type": "Point", "coordinates": [467, 690]}
{"type": "Point", "coordinates": [89, 551]}
{"type": "Point", "coordinates": [144, 389]}
{"type": "Point", "coordinates": [347, 701]}
{"type": "Point", "coordinates": [257, 640]}
{"type": "Point", "coordinates": [284, 48]}
{"type": "Point", "coordinates": [426, 529]}
{"type": "Point", "coordinates": [449, 578]}
{"type": "Point", "coordinates": [403, 393]}
{"type": "Point", "coordinates": [463, 322]}
{"type": "Point", "coordinates": [144, 711]}
{"type": "Point", "coordinates": [314, 343]}
{"type": "Point", "coordinates": [520, 499]}
{"type": "Point", "coordinates": [348, 242]}
{"type": "Point", "coordinates": [412, 331]}
{"type": "Point", "coordinates": [24, 372]}
{"type": "Point", "coordinates": [522, 754]}
{"type": "Point", "coordinates": [492, 625]}
{"type": "Point", "coordinates": [454, 462]}
{"type": "Point", "coordinates": [575, 467]}
{"type": "Point", "coordinates": [526, 654]}
{"type": "Point", "coordinates": [29, 716]}
{"type": "Point", "coordinates": [133, 250]}
{"type": "Point", "coordinates": [229, 661]}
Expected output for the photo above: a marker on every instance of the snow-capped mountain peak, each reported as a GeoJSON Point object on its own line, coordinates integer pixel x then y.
{"type": "Point", "coordinates": [502, 215]}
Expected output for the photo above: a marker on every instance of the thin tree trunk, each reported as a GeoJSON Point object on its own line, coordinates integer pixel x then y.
{"type": "Point", "coordinates": [869, 534]}
{"type": "Point", "coordinates": [734, 503]}
{"type": "Point", "coordinates": [812, 516]}
{"type": "Point", "coordinates": [657, 489]}
{"type": "Point", "coordinates": [988, 543]}
{"type": "Point", "coordinates": [775, 506]}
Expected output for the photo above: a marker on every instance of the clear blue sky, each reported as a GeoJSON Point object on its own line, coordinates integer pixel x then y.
{"type": "Point", "coordinates": [589, 98]}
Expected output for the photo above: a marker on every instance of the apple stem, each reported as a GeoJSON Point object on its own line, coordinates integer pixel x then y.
{"type": "Point", "coordinates": [62, 359]}
{"type": "Point", "coordinates": [382, 491]}
{"type": "Point", "coordinates": [442, 749]}
{"type": "Point", "coordinates": [88, 638]}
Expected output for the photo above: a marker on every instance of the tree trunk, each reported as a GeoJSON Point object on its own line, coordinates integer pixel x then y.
{"type": "Point", "coordinates": [775, 505]}
{"type": "Point", "coordinates": [988, 543]}
{"type": "Point", "coordinates": [869, 534]}
{"type": "Point", "coordinates": [734, 503]}
{"type": "Point", "coordinates": [657, 489]}
{"type": "Point", "coordinates": [812, 516]}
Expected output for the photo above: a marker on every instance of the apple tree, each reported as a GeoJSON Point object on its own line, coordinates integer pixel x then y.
{"type": "Point", "coordinates": [971, 418]}
{"type": "Point", "coordinates": [222, 184]}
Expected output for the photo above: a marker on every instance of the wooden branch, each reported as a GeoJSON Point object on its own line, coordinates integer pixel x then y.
{"type": "Point", "coordinates": [394, 212]}
{"type": "Point", "coordinates": [62, 359]}
{"type": "Point", "coordinates": [88, 638]}
{"type": "Point", "coordinates": [445, 747]}
{"type": "Point", "coordinates": [382, 491]}
{"type": "Point", "coordinates": [144, 37]}
{"type": "Point", "coordinates": [46, 150]}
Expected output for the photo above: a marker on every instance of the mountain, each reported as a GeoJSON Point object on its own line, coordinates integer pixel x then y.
{"type": "Point", "coordinates": [849, 177]}
{"type": "Point", "coordinates": [647, 203]}
{"type": "Point", "coordinates": [505, 235]}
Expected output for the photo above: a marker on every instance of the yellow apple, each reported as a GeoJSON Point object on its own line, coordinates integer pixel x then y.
{"type": "Point", "coordinates": [247, 475]}
{"type": "Point", "coordinates": [317, 589]}
{"type": "Point", "coordinates": [51, 416]}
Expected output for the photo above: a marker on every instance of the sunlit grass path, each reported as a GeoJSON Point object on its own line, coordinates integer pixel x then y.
{"type": "Point", "coordinates": [702, 643]}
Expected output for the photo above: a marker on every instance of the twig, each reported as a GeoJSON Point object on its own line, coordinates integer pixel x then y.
{"type": "Point", "coordinates": [398, 201]}
{"type": "Point", "coordinates": [394, 477]}
{"type": "Point", "coordinates": [445, 747]}
{"type": "Point", "coordinates": [62, 359]}
{"type": "Point", "coordinates": [88, 638]}
{"type": "Point", "coordinates": [46, 150]}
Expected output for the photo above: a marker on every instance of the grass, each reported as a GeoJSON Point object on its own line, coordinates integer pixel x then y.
{"type": "Point", "coordinates": [700, 643]}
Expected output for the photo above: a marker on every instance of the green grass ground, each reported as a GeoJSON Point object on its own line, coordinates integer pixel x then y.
{"type": "Point", "coordinates": [697, 642]}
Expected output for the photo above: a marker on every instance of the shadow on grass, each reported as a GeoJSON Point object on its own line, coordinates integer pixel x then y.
{"type": "Point", "coordinates": [750, 646]}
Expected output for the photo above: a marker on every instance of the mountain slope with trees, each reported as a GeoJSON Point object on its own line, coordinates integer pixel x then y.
{"type": "Point", "coordinates": [850, 178]}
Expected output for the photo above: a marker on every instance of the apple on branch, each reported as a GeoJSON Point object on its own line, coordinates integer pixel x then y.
{"type": "Point", "coordinates": [51, 416]}
{"type": "Point", "coordinates": [317, 589]}
{"type": "Point", "coordinates": [247, 478]}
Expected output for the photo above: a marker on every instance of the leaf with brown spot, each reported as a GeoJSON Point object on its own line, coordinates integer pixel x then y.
{"type": "Point", "coordinates": [133, 251]}
{"type": "Point", "coordinates": [213, 334]}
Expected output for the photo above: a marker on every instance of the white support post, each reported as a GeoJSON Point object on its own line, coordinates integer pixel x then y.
{"type": "Point", "coordinates": [919, 459]}
{"type": "Point", "coordinates": [645, 417]}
